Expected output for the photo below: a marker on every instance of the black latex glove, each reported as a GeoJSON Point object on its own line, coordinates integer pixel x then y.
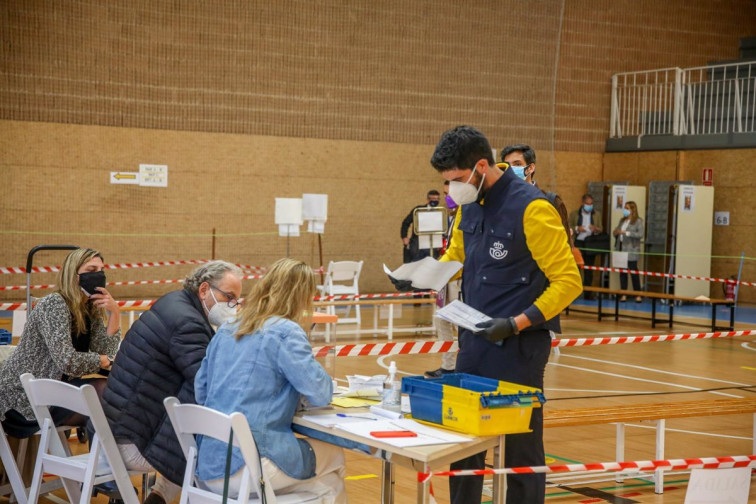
{"type": "Point", "coordinates": [401, 285]}
{"type": "Point", "coordinates": [497, 329]}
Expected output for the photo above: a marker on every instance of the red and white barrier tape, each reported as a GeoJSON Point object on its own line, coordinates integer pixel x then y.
{"type": "Point", "coordinates": [640, 466]}
{"type": "Point", "coordinates": [110, 284]}
{"type": "Point", "coordinates": [669, 275]}
{"type": "Point", "coordinates": [374, 296]}
{"type": "Point", "coordinates": [54, 269]}
{"type": "Point", "coordinates": [423, 347]}
{"type": "Point", "coordinates": [409, 347]}
{"type": "Point", "coordinates": [568, 342]}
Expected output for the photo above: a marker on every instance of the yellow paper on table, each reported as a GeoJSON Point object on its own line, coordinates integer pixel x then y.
{"type": "Point", "coordinates": [352, 402]}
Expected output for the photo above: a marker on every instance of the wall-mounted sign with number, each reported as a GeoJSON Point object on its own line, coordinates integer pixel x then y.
{"type": "Point", "coordinates": [721, 218]}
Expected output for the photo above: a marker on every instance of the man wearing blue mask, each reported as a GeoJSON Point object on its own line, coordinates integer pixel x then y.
{"type": "Point", "coordinates": [585, 222]}
{"type": "Point", "coordinates": [522, 159]}
{"type": "Point", "coordinates": [519, 269]}
{"type": "Point", "coordinates": [412, 251]}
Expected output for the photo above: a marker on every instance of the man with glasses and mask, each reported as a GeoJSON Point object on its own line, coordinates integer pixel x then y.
{"type": "Point", "coordinates": [158, 358]}
{"type": "Point", "coordinates": [412, 251]}
{"type": "Point", "coordinates": [519, 270]}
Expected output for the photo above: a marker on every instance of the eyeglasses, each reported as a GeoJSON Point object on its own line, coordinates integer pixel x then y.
{"type": "Point", "coordinates": [232, 302]}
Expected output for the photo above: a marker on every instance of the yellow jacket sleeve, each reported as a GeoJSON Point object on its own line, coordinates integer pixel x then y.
{"type": "Point", "coordinates": [548, 244]}
{"type": "Point", "coordinates": [455, 249]}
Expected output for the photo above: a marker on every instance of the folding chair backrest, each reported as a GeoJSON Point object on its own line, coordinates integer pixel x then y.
{"type": "Point", "coordinates": [42, 394]}
{"type": "Point", "coordinates": [189, 420]}
{"type": "Point", "coordinates": [345, 271]}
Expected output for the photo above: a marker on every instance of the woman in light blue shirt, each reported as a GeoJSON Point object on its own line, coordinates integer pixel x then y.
{"type": "Point", "coordinates": [260, 364]}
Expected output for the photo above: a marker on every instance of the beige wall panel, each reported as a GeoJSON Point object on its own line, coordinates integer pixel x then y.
{"type": "Point", "coordinates": [574, 171]}
{"type": "Point", "coordinates": [58, 177]}
{"type": "Point", "coordinates": [639, 168]}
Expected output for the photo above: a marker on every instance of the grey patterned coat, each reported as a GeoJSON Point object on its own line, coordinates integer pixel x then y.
{"type": "Point", "coordinates": [631, 241]}
{"type": "Point", "coordinates": [46, 351]}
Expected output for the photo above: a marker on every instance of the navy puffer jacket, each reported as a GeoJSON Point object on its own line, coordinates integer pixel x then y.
{"type": "Point", "coordinates": [158, 358]}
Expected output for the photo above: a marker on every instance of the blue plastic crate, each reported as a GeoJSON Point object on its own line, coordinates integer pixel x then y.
{"type": "Point", "coordinates": [472, 404]}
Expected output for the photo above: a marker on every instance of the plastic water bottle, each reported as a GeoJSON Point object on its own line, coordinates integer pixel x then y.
{"type": "Point", "coordinates": [392, 390]}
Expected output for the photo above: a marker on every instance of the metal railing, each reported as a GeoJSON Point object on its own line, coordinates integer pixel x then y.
{"type": "Point", "coordinates": [716, 99]}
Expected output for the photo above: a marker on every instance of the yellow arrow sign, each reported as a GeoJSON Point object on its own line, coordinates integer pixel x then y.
{"type": "Point", "coordinates": [124, 177]}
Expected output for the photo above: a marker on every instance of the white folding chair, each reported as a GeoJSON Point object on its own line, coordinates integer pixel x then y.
{"type": "Point", "coordinates": [347, 274]}
{"type": "Point", "coordinates": [189, 420]}
{"type": "Point", "coordinates": [78, 473]}
{"type": "Point", "coordinates": [16, 484]}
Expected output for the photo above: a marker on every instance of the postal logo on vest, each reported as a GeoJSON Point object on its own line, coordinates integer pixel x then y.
{"type": "Point", "coordinates": [497, 251]}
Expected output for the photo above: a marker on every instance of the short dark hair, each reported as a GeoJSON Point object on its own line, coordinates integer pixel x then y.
{"type": "Point", "coordinates": [587, 195]}
{"type": "Point", "coordinates": [461, 148]}
{"type": "Point", "coordinates": [432, 192]}
{"type": "Point", "coordinates": [527, 152]}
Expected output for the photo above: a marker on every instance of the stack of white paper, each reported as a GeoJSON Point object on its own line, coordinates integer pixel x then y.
{"type": "Point", "coordinates": [462, 315]}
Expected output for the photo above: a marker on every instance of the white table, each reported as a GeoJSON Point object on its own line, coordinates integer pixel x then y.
{"type": "Point", "coordinates": [423, 459]}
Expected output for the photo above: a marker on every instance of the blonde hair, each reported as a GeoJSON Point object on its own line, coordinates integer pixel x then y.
{"type": "Point", "coordinates": [286, 291]}
{"type": "Point", "coordinates": [633, 211]}
{"type": "Point", "coordinates": [68, 288]}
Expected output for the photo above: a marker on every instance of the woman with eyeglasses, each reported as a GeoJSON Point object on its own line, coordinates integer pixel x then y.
{"type": "Point", "coordinates": [70, 333]}
{"type": "Point", "coordinates": [158, 358]}
{"type": "Point", "coordinates": [261, 364]}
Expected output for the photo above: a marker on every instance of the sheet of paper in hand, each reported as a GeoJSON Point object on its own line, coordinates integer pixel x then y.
{"type": "Point", "coordinates": [428, 273]}
{"type": "Point", "coordinates": [458, 313]}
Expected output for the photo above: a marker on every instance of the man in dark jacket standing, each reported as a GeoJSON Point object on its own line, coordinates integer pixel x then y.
{"type": "Point", "coordinates": [158, 358]}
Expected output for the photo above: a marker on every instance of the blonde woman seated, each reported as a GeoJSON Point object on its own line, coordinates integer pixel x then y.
{"type": "Point", "coordinates": [628, 235]}
{"type": "Point", "coordinates": [260, 364]}
{"type": "Point", "coordinates": [74, 331]}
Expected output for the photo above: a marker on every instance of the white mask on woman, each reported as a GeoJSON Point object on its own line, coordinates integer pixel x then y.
{"type": "Point", "coordinates": [464, 192]}
{"type": "Point", "coordinates": [219, 313]}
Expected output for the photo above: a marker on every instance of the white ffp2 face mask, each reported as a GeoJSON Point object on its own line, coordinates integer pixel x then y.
{"type": "Point", "coordinates": [219, 313]}
{"type": "Point", "coordinates": [463, 192]}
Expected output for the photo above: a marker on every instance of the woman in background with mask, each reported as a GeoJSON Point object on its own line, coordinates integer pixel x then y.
{"type": "Point", "coordinates": [260, 365]}
{"type": "Point", "coordinates": [72, 332]}
{"type": "Point", "coordinates": [628, 235]}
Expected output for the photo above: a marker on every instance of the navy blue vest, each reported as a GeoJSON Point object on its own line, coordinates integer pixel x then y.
{"type": "Point", "coordinates": [500, 277]}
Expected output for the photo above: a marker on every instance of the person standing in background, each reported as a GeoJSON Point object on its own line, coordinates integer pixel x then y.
{"type": "Point", "coordinates": [412, 251]}
{"type": "Point", "coordinates": [446, 330]}
{"type": "Point", "coordinates": [586, 221]}
{"type": "Point", "coordinates": [628, 235]}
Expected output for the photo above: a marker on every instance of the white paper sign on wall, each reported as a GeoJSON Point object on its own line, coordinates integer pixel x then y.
{"type": "Point", "coordinates": [153, 175]}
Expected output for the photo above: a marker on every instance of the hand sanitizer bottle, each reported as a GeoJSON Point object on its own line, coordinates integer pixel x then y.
{"type": "Point", "coordinates": [392, 390]}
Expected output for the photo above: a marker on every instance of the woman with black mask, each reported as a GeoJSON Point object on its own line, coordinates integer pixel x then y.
{"type": "Point", "coordinates": [74, 331]}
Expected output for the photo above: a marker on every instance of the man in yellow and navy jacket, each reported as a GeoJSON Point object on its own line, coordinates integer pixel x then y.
{"type": "Point", "coordinates": [518, 269]}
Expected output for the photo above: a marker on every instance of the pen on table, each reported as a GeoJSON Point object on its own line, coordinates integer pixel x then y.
{"type": "Point", "coordinates": [344, 415]}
